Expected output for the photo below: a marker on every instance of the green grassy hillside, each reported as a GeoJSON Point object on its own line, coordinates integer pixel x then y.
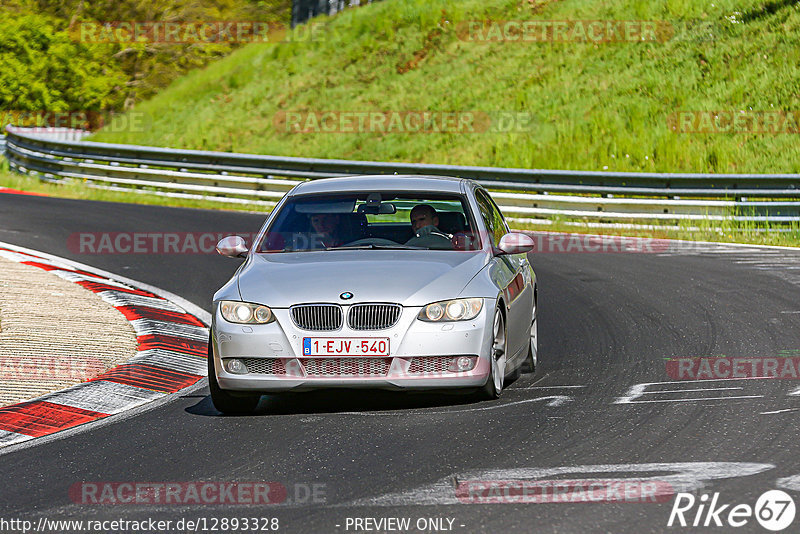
{"type": "Point", "coordinates": [594, 106]}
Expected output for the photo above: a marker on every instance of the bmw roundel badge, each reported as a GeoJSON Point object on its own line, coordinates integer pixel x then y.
{"type": "Point", "coordinates": [346, 295]}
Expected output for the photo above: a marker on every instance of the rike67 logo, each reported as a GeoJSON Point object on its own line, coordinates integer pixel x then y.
{"type": "Point", "coordinates": [774, 510]}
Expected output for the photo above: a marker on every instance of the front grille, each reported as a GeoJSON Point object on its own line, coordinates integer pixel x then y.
{"type": "Point", "coordinates": [373, 316]}
{"type": "Point", "coordinates": [324, 317]}
{"type": "Point", "coordinates": [351, 367]}
{"type": "Point", "coordinates": [265, 366]}
{"type": "Point", "coordinates": [430, 364]}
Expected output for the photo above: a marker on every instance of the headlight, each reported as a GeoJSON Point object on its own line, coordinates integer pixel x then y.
{"type": "Point", "coordinates": [451, 310]}
{"type": "Point", "coordinates": [245, 313]}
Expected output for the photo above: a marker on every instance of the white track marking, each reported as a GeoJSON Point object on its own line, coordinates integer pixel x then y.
{"type": "Point", "coordinates": [638, 390]}
{"type": "Point", "coordinates": [783, 262]}
{"type": "Point", "coordinates": [778, 411]}
{"type": "Point", "coordinates": [698, 399]}
{"type": "Point", "coordinates": [545, 387]}
{"type": "Point", "coordinates": [685, 477]}
{"type": "Point", "coordinates": [554, 401]}
{"type": "Point", "coordinates": [791, 483]}
{"type": "Point", "coordinates": [684, 390]}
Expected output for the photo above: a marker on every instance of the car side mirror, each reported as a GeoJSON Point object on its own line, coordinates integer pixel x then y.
{"type": "Point", "coordinates": [516, 243]}
{"type": "Point", "coordinates": [232, 246]}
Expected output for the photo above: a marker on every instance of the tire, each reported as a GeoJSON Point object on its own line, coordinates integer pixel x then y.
{"type": "Point", "coordinates": [227, 403]}
{"type": "Point", "coordinates": [494, 382]}
{"type": "Point", "coordinates": [529, 366]}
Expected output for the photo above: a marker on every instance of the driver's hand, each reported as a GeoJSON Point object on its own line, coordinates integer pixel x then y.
{"type": "Point", "coordinates": [427, 230]}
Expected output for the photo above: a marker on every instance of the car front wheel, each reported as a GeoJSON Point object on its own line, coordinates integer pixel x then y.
{"type": "Point", "coordinates": [533, 348]}
{"type": "Point", "coordinates": [225, 402]}
{"type": "Point", "coordinates": [497, 368]}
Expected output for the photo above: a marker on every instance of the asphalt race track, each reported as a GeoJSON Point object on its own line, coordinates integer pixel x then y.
{"type": "Point", "coordinates": [601, 405]}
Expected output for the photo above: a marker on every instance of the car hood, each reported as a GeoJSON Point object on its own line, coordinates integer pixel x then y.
{"type": "Point", "coordinates": [407, 277]}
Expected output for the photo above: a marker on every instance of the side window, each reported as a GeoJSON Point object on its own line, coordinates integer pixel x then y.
{"type": "Point", "coordinates": [491, 217]}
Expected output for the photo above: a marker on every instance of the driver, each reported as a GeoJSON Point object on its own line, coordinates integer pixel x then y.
{"type": "Point", "coordinates": [326, 230]}
{"type": "Point", "coordinates": [424, 223]}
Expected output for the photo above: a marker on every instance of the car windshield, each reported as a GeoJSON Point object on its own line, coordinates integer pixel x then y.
{"type": "Point", "coordinates": [385, 220]}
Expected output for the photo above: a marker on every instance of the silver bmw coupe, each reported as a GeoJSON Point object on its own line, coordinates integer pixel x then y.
{"type": "Point", "coordinates": [390, 282]}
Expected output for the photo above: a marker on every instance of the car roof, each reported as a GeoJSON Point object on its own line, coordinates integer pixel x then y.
{"type": "Point", "coordinates": [381, 182]}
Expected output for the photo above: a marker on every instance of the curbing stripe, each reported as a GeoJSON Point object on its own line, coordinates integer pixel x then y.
{"type": "Point", "coordinates": [173, 350]}
{"type": "Point", "coordinates": [120, 298]}
{"type": "Point", "coordinates": [141, 312]}
{"type": "Point", "coordinates": [150, 377]}
{"type": "Point", "coordinates": [77, 278]}
{"type": "Point", "coordinates": [39, 418]}
{"type": "Point", "coordinates": [99, 287]}
{"type": "Point", "coordinates": [178, 344]}
{"type": "Point", "coordinates": [9, 191]}
{"type": "Point", "coordinates": [51, 267]}
{"type": "Point", "coordinates": [10, 438]}
{"type": "Point", "coordinates": [172, 360]}
{"type": "Point", "coordinates": [150, 327]}
{"type": "Point", "coordinates": [107, 397]}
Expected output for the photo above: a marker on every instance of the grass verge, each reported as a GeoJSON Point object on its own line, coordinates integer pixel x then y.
{"type": "Point", "coordinates": [79, 190]}
{"type": "Point", "coordinates": [593, 105]}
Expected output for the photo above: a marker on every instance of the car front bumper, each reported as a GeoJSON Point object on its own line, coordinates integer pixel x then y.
{"type": "Point", "coordinates": [418, 358]}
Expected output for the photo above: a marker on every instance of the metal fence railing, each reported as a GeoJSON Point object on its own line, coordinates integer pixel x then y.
{"type": "Point", "coordinates": [303, 10]}
{"type": "Point", "coordinates": [521, 193]}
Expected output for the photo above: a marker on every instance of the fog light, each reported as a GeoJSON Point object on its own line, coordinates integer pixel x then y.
{"type": "Point", "coordinates": [462, 363]}
{"type": "Point", "coordinates": [235, 366]}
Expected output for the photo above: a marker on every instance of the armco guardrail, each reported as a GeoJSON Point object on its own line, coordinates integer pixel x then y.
{"type": "Point", "coordinates": [522, 193]}
{"type": "Point", "coordinates": [48, 133]}
{"type": "Point", "coordinates": [303, 10]}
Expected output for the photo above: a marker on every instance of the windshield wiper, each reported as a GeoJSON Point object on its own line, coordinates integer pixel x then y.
{"type": "Point", "coordinates": [373, 246]}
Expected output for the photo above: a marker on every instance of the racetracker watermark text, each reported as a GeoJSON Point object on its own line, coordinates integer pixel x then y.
{"type": "Point", "coordinates": [555, 243]}
{"type": "Point", "coordinates": [734, 122]}
{"type": "Point", "coordinates": [194, 32]}
{"type": "Point", "coordinates": [564, 31]}
{"type": "Point", "coordinates": [148, 242]}
{"type": "Point", "coordinates": [31, 368]}
{"type": "Point", "coordinates": [205, 243]}
{"type": "Point", "coordinates": [722, 367]}
{"type": "Point", "coordinates": [42, 121]}
{"type": "Point", "coordinates": [195, 493]}
{"type": "Point", "coordinates": [589, 31]}
{"type": "Point", "coordinates": [403, 121]}
{"type": "Point", "coordinates": [563, 491]}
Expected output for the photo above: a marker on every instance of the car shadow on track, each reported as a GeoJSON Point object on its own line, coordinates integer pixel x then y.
{"type": "Point", "coordinates": [339, 401]}
{"type": "Point", "coordinates": [350, 400]}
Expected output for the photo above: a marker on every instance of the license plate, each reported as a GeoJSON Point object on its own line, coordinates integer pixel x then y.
{"type": "Point", "coordinates": [345, 346]}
